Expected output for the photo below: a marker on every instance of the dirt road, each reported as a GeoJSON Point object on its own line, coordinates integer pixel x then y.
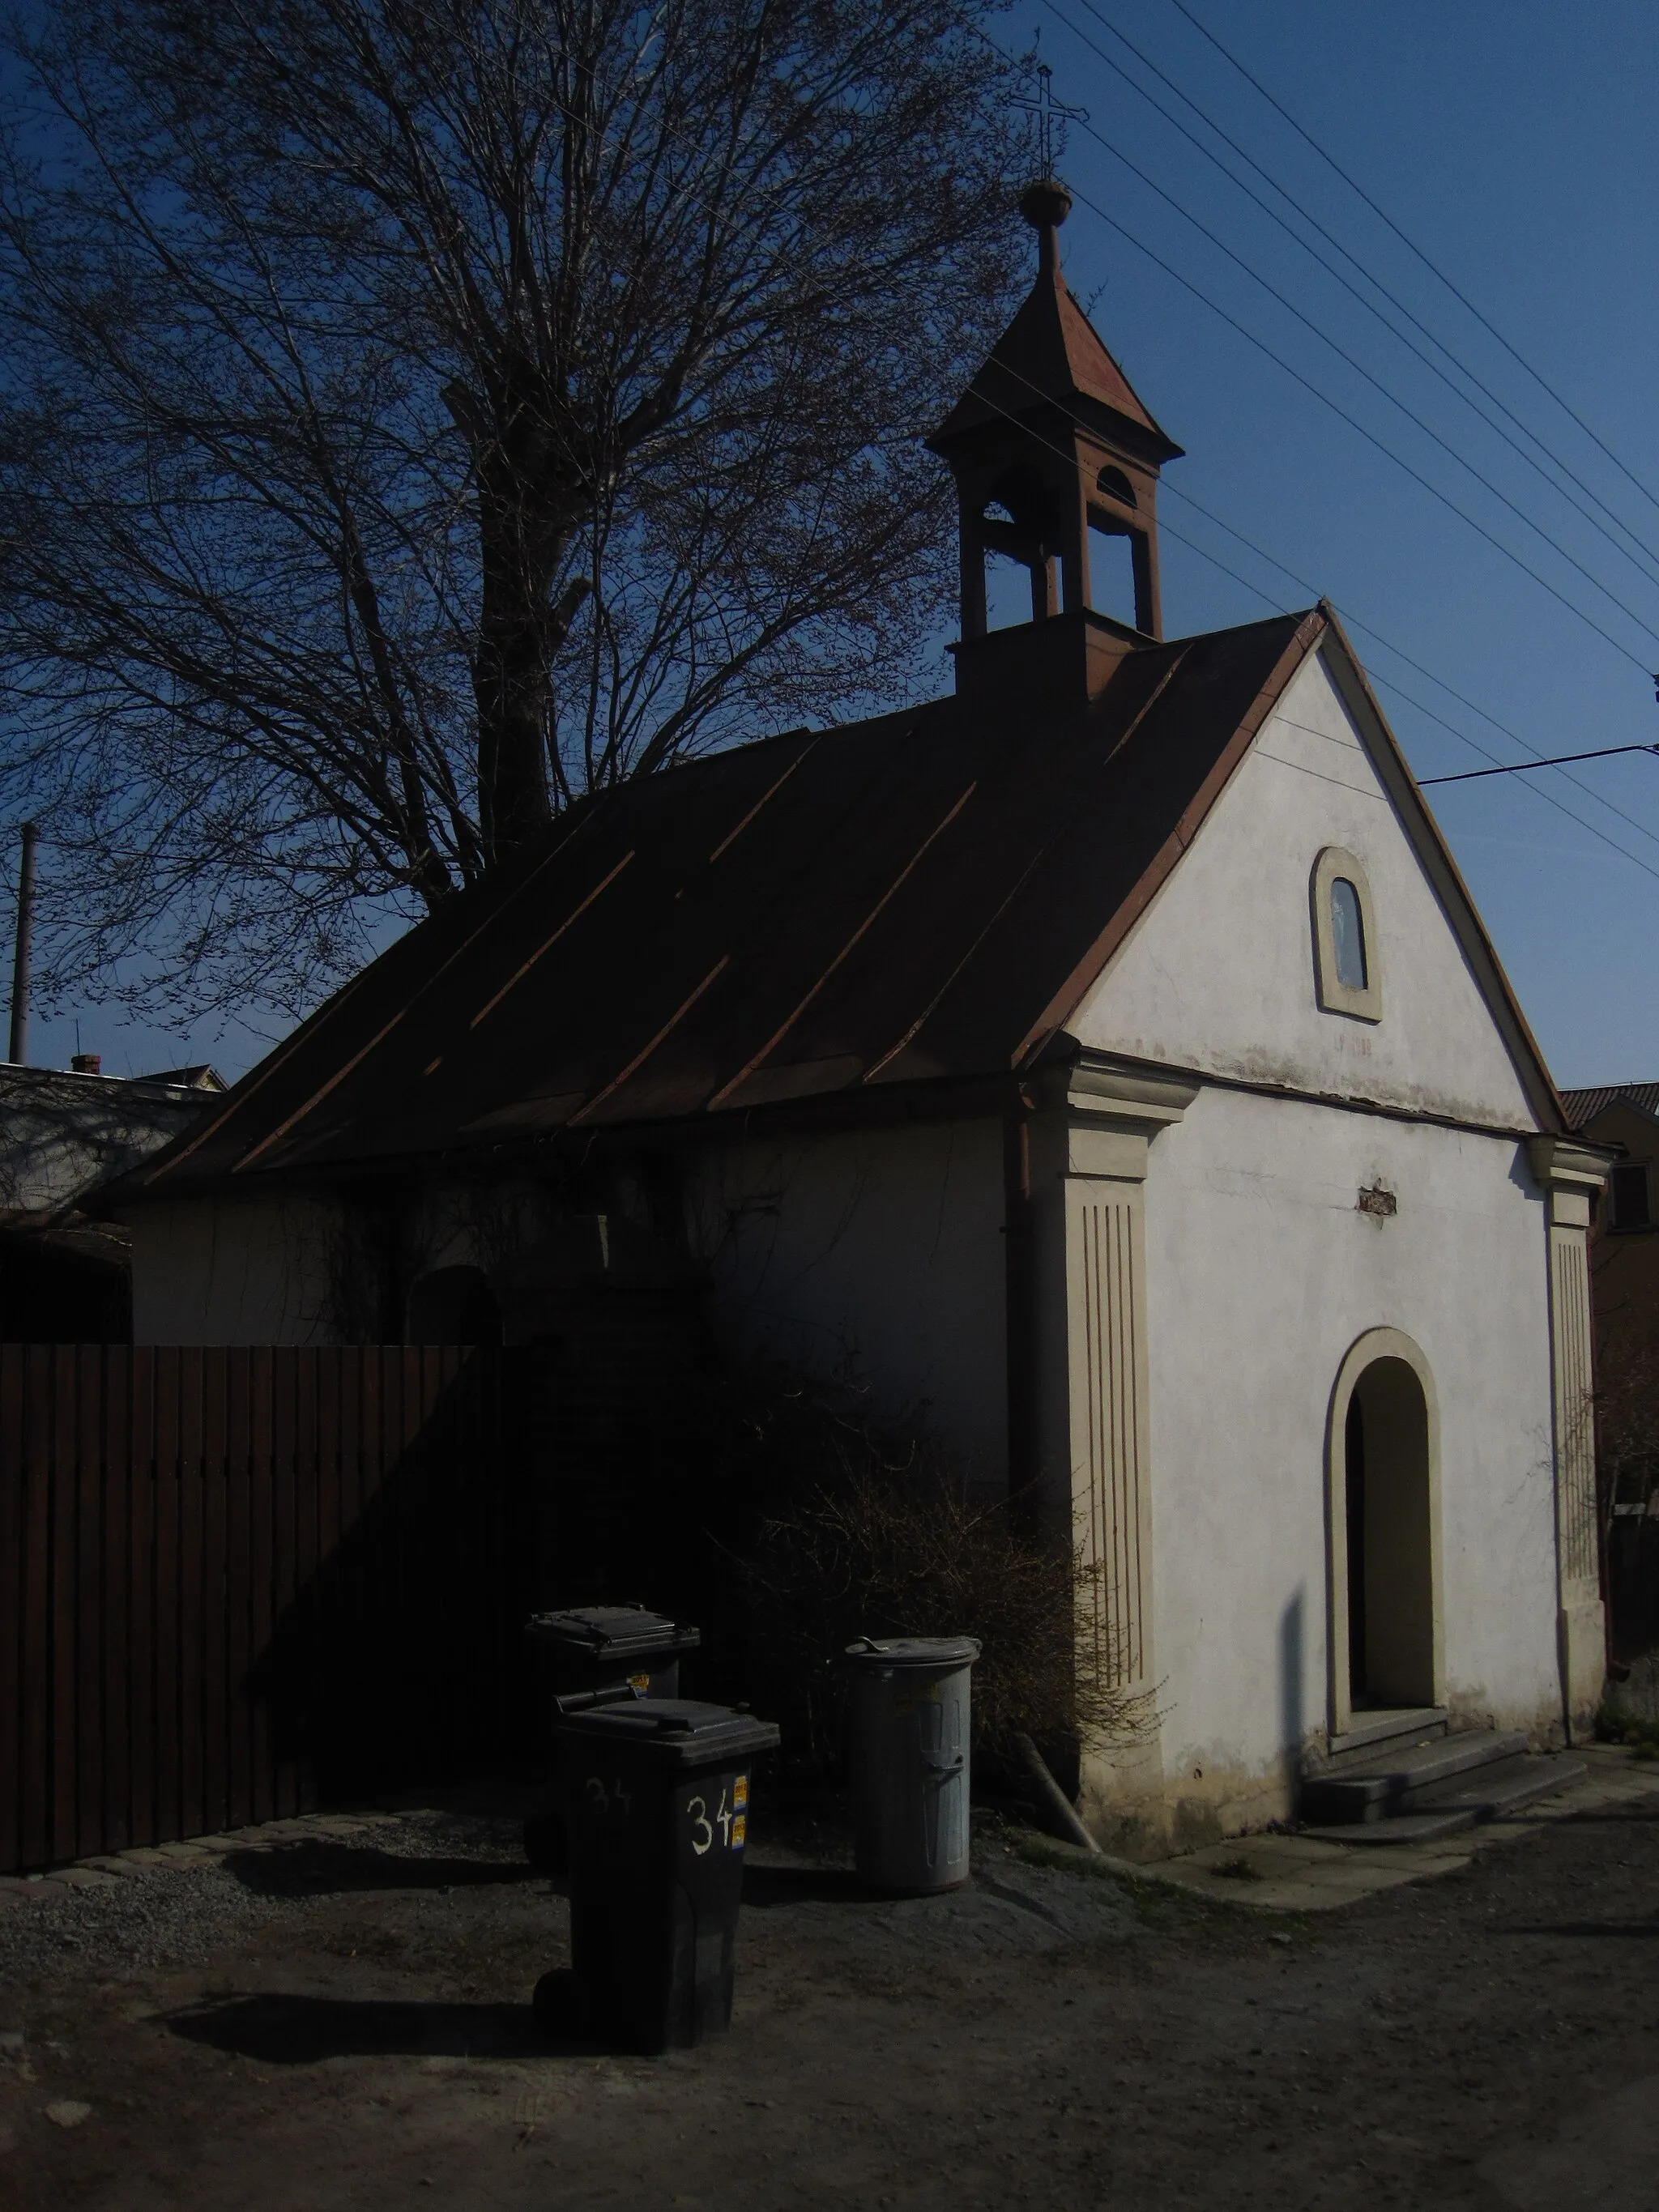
{"type": "Point", "coordinates": [342, 2023]}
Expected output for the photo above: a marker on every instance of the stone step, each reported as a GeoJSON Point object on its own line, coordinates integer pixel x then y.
{"type": "Point", "coordinates": [1505, 1785]}
{"type": "Point", "coordinates": [1391, 1783]}
{"type": "Point", "coordinates": [1464, 1800]}
{"type": "Point", "coordinates": [1372, 1729]}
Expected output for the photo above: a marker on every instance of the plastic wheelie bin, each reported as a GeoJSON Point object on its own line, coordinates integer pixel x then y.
{"type": "Point", "coordinates": [592, 1648]}
{"type": "Point", "coordinates": [911, 1722]}
{"type": "Point", "coordinates": [656, 1797]}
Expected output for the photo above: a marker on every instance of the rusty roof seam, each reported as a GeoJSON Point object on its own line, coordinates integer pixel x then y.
{"type": "Point", "coordinates": [1177, 661]}
{"type": "Point", "coordinates": [777, 1036]}
{"type": "Point", "coordinates": [640, 1058]}
{"type": "Point", "coordinates": [570, 921]}
{"type": "Point", "coordinates": [732, 836]}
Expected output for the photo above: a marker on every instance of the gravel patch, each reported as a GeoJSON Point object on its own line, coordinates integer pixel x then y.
{"type": "Point", "coordinates": [164, 1919]}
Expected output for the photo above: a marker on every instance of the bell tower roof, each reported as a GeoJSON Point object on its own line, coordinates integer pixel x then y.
{"type": "Point", "coordinates": [1051, 355]}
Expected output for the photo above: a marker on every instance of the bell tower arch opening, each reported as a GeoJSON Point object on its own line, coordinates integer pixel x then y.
{"type": "Point", "coordinates": [1383, 1524]}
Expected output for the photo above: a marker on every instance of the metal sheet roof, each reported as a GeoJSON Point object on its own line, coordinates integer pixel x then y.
{"type": "Point", "coordinates": [923, 896]}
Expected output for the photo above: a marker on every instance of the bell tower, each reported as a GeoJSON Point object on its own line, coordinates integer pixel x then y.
{"type": "Point", "coordinates": [1049, 443]}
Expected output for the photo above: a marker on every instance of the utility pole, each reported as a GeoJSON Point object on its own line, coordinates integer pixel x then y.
{"type": "Point", "coordinates": [20, 966]}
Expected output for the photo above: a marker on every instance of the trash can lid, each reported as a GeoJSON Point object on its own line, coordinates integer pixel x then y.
{"type": "Point", "coordinates": [611, 1631]}
{"type": "Point", "coordinates": [681, 1729]}
{"type": "Point", "coordinates": [935, 1651]}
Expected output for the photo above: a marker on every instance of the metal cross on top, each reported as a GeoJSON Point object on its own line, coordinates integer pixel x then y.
{"type": "Point", "coordinates": [1051, 115]}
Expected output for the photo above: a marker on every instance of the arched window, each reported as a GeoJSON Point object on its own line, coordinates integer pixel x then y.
{"type": "Point", "coordinates": [454, 1305]}
{"type": "Point", "coordinates": [1347, 975]}
{"type": "Point", "coordinates": [1115, 485]}
{"type": "Point", "coordinates": [1348, 934]}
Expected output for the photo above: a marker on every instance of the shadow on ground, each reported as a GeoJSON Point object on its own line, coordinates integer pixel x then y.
{"type": "Point", "coordinates": [301, 2031]}
{"type": "Point", "coordinates": [309, 1869]}
{"type": "Point", "coordinates": [764, 1886]}
{"type": "Point", "coordinates": [1583, 1928]}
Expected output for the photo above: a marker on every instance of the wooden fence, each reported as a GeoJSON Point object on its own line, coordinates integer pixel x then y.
{"type": "Point", "coordinates": [233, 1580]}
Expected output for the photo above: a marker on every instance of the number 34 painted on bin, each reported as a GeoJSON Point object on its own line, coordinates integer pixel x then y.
{"type": "Point", "coordinates": [731, 1821]}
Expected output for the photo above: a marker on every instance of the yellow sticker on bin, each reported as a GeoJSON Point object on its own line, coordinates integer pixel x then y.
{"type": "Point", "coordinates": [738, 1827]}
{"type": "Point", "coordinates": [640, 1682]}
{"type": "Point", "coordinates": [740, 1792]}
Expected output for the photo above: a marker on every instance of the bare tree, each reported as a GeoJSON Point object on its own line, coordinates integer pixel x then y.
{"type": "Point", "coordinates": [414, 414]}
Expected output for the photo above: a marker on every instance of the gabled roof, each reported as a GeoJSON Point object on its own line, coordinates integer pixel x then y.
{"type": "Point", "coordinates": [919, 899]}
{"type": "Point", "coordinates": [1050, 352]}
{"type": "Point", "coordinates": [1582, 1106]}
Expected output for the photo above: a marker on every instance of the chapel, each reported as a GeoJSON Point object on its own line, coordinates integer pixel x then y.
{"type": "Point", "coordinates": [1105, 1061]}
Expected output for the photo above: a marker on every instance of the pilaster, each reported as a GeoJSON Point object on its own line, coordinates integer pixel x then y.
{"type": "Point", "coordinates": [1570, 1175]}
{"type": "Point", "coordinates": [1090, 1142]}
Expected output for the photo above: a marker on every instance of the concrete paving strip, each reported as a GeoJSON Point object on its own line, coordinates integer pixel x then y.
{"type": "Point", "coordinates": [1301, 1873]}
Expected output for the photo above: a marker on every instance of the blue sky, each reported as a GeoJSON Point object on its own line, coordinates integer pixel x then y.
{"type": "Point", "coordinates": [1515, 144]}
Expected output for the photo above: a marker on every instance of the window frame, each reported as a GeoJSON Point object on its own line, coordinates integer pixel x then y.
{"type": "Point", "coordinates": [1632, 1168]}
{"type": "Point", "coordinates": [1334, 996]}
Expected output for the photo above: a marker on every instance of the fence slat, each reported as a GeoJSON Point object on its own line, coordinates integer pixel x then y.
{"type": "Point", "coordinates": [239, 1588]}
{"type": "Point", "coordinates": [191, 1622]}
{"type": "Point", "coordinates": [65, 1592]}
{"type": "Point", "coordinates": [116, 1430]}
{"type": "Point", "coordinates": [215, 1601]}
{"type": "Point", "coordinates": [34, 1788]}
{"type": "Point", "coordinates": [12, 1586]}
{"type": "Point", "coordinates": [168, 1544]}
{"type": "Point", "coordinates": [86, 1384]}
{"type": "Point", "coordinates": [140, 1593]}
{"type": "Point", "coordinates": [261, 1573]}
{"type": "Point", "coordinates": [284, 1379]}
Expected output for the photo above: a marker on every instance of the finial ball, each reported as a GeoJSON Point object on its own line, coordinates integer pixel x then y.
{"type": "Point", "coordinates": [1045, 204]}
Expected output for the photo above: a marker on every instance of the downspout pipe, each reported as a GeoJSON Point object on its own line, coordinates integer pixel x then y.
{"type": "Point", "coordinates": [18, 1052]}
{"type": "Point", "coordinates": [1061, 1808]}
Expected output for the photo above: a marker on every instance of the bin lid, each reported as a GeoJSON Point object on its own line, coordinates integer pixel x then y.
{"type": "Point", "coordinates": [612, 1631]}
{"type": "Point", "coordinates": [681, 1729]}
{"type": "Point", "coordinates": [937, 1652]}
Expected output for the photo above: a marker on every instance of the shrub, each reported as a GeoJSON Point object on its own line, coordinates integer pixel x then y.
{"type": "Point", "coordinates": [866, 1530]}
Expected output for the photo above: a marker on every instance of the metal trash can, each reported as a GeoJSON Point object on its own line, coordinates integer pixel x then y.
{"type": "Point", "coordinates": [910, 1726]}
{"type": "Point", "coordinates": [592, 1648]}
{"type": "Point", "coordinates": [656, 1797]}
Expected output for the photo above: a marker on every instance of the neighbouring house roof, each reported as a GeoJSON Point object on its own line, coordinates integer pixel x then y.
{"type": "Point", "coordinates": [63, 1134]}
{"type": "Point", "coordinates": [920, 898]}
{"type": "Point", "coordinates": [199, 1078]}
{"type": "Point", "coordinates": [1582, 1107]}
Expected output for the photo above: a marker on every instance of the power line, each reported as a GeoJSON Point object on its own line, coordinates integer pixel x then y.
{"type": "Point", "coordinates": [1515, 768]}
{"type": "Point", "coordinates": [1520, 767]}
{"type": "Point", "coordinates": [1400, 653]}
{"type": "Point", "coordinates": [1639, 558]}
{"type": "Point", "coordinates": [1370, 436]}
{"type": "Point", "coordinates": [1377, 384]}
{"type": "Point", "coordinates": [1434, 269]}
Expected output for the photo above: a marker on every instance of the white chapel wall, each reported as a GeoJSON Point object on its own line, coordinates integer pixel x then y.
{"type": "Point", "coordinates": [1261, 1272]}
{"type": "Point", "coordinates": [1262, 1269]}
{"type": "Point", "coordinates": [877, 1254]}
{"type": "Point", "coordinates": [257, 1270]}
{"type": "Point", "coordinates": [1219, 973]}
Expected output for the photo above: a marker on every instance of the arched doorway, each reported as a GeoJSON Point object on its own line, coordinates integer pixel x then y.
{"type": "Point", "coordinates": [1384, 1503]}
